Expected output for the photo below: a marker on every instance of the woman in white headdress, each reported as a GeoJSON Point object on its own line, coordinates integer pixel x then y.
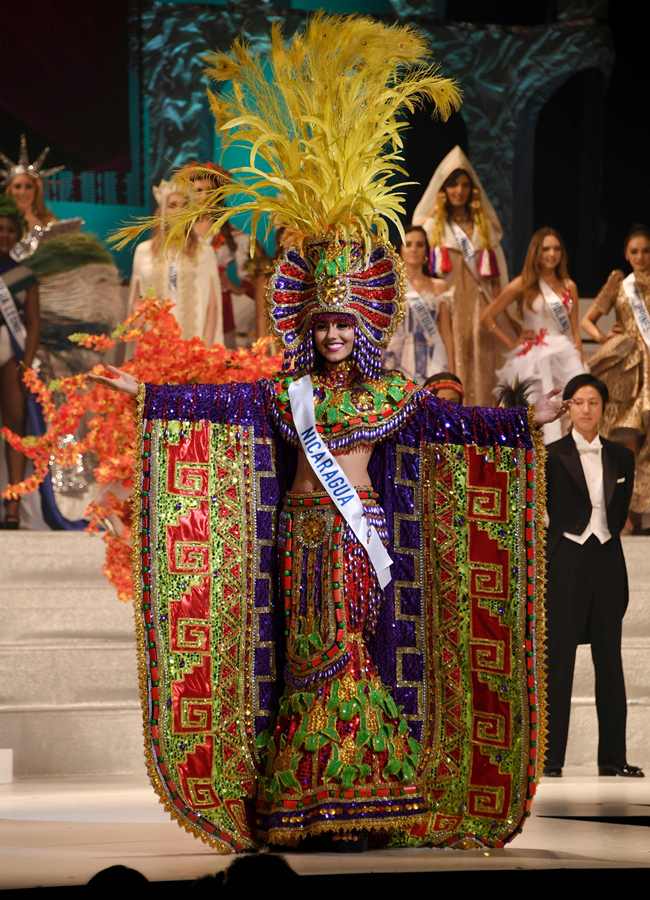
{"type": "Point", "coordinates": [188, 276]}
{"type": "Point", "coordinates": [465, 234]}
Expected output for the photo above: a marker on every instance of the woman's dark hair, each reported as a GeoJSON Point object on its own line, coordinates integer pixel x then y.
{"type": "Point", "coordinates": [442, 376]}
{"type": "Point", "coordinates": [451, 179]}
{"type": "Point", "coordinates": [443, 207]}
{"type": "Point", "coordinates": [636, 230]}
{"type": "Point", "coordinates": [514, 394]}
{"type": "Point", "coordinates": [585, 380]}
{"type": "Point", "coordinates": [427, 246]}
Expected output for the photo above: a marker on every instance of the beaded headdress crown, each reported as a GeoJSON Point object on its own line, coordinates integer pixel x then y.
{"type": "Point", "coordinates": [323, 121]}
{"type": "Point", "coordinates": [23, 166]}
{"type": "Point", "coordinates": [336, 278]}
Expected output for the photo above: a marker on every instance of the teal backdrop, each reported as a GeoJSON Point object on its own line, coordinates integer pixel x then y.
{"type": "Point", "coordinates": [507, 75]}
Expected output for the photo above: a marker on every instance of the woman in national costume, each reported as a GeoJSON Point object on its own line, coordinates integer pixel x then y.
{"type": "Point", "coordinates": [338, 617]}
{"type": "Point", "coordinates": [231, 248]}
{"type": "Point", "coordinates": [623, 360]}
{"type": "Point", "coordinates": [465, 237]}
{"type": "Point", "coordinates": [188, 275]}
{"type": "Point", "coordinates": [549, 352]}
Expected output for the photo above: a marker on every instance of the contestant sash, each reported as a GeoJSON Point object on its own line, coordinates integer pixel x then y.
{"type": "Point", "coordinates": [640, 310]}
{"type": "Point", "coordinates": [11, 316]}
{"type": "Point", "coordinates": [556, 306]}
{"type": "Point", "coordinates": [423, 314]}
{"type": "Point", "coordinates": [333, 478]}
{"type": "Point", "coordinates": [172, 280]}
{"type": "Point", "coordinates": [466, 247]}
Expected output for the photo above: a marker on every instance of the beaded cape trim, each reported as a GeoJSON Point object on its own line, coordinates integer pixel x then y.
{"type": "Point", "coordinates": [365, 412]}
{"type": "Point", "coordinates": [539, 628]}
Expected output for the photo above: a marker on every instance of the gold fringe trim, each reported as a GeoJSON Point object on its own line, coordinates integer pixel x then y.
{"type": "Point", "coordinates": [540, 589]}
{"type": "Point", "coordinates": [136, 557]}
{"type": "Point", "coordinates": [293, 837]}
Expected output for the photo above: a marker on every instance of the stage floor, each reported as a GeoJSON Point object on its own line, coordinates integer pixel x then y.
{"type": "Point", "coordinates": [63, 831]}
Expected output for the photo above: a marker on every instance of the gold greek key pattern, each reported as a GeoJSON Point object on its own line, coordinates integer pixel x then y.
{"type": "Point", "coordinates": [191, 479]}
{"type": "Point", "coordinates": [196, 714]}
{"type": "Point", "coordinates": [193, 635]}
{"type": "Point", "coordinates": [489, 728]}
{"type": "Point", "coordinates": [191, 557]}
{"type": "Point", "coordinates": [201, 794]}
{"type": "Point", "coordinates": [486, 801]}
{"type": "Point", "coordinates": [488, 656]}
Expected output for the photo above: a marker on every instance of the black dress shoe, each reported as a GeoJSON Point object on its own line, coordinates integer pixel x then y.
{"type": "Point", "coordinates": [625, 771]}
{"type": "Point", "coordinates": [553, 772]}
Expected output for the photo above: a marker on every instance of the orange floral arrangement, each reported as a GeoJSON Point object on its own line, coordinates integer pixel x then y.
{"type": "Point", "coordinates": [161, 356]}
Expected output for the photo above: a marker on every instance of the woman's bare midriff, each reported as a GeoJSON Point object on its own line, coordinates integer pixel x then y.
{"type": "Point", "coordinates": [354, 464]}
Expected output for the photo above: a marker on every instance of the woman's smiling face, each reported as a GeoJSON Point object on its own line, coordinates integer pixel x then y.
{"type": "Point", "coordinates": [334, 338]}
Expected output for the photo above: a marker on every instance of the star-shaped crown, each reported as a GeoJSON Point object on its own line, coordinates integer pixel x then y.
{"type": "Point", "coordinates": [23, 166]}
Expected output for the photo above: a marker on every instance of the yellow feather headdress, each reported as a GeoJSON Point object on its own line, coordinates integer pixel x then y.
{"type": "Point", "coordinates": [323, 118]}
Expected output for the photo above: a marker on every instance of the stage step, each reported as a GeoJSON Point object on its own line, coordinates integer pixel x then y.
{"type": "Point", "coordinates": [68, 683]}
{"type": "Point", "coordinates": [68, 674]}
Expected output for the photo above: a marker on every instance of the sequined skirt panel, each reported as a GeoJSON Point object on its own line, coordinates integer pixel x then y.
{"type": "Point", "coordinates": [340, 757]}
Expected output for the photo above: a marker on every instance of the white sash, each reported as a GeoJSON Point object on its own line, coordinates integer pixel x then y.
{"type": "Point", "coordinates": [333, 478]}
{"type": "Point", "coordinates": [172, 280]}
{"type": "Point", "coordinates": [423, 314]}
{"type": "Point", "coordinates": [640, 310]}
{"type": "Point", "coordinates": [10, 315]}
{"type": "Point", "coordinates": [466, 247]}
{"type": "Point", "coordinates": [556, 306]}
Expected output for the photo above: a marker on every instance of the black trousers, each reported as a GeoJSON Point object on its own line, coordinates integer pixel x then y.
{"type": "Point", "coordinates": [587, 597]}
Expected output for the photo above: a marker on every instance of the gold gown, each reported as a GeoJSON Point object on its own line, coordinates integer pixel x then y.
{"type": "Point", "coordinates": [623, 363]}
{"type": "Point", "coordinates": [476, 352]}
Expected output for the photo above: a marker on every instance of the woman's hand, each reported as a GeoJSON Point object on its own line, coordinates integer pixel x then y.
{"type": "Point", "coordinates": [121, 381]}
{"type": "Point", "coordinates": [617, 328]}
{"type": "Point", "coordinates": [549, 408]}
{"type": "Point", "coordinates": [613, 282]}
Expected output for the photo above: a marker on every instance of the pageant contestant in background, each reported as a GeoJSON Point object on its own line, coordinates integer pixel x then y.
{"type": "Point", "coordinates": [465, 233]}
{"type": "Point", "coordinates": [19, 334]}
{"type": "Point", "coordinates": [188, 276]}
{"type": "Point", "coordinates": [422, 344]}
{"type": "Point", "coordinates": [24, 184]}
{"type": "Point", "coordinates": [589, 484]}
{"type": "Point", "coordinates": [549, 352]}
{"type": "Point", "coordinates": [238, 274]}
{"type": "Point", "coordinates": [623, 360]}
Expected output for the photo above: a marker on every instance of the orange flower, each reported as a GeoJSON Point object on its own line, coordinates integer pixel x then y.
{"type": "Point", "coordinates": [160, 356]}
{"type": "Point", "coordinates": [99, 342]}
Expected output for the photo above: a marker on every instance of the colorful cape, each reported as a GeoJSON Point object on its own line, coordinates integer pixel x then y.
{"type": "Point", "coordinates": [460, 637]}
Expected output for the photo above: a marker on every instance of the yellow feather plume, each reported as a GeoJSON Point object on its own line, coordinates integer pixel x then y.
{"type": "Point", "coordinates": [323, 119]}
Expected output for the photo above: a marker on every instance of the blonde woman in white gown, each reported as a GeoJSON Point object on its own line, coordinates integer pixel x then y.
{"type": "Point", "coordinates": [189, 277]}
{"type": "Point", "coordinates": [422, 344]}
{"type": "Point", "coordinates": [549, 351]}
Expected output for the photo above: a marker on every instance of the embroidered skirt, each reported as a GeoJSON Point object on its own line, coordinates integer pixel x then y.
{"type": "Point", "coordinates": [339, 757]}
